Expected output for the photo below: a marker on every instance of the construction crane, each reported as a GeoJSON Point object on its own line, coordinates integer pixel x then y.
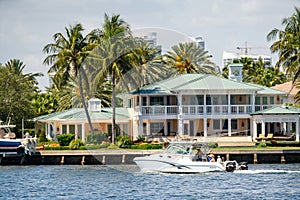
{"type": "Point", "coordinates": [247, 49]}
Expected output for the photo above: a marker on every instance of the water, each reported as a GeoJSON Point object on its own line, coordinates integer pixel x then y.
{"type": "Point", "coordinates": [127, 182]}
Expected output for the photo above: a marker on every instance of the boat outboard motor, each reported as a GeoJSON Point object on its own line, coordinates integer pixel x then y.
{"type": "Point", "coordinates": [230, 166]}
{"type": "Point", "coordinates": [243, 165]}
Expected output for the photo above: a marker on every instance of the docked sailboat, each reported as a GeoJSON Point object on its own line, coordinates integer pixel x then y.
{"type": "Point", "coordinates": [180, 158]}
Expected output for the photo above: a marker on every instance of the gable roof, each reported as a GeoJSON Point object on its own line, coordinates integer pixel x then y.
{"type": "Point", "coordinates": [276, 111]}
{"type": "Point", "coordinates": [201, 82]}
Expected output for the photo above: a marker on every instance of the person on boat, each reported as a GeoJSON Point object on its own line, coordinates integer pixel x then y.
{"type": "Point", "coordinates": [198, 155]}
{"type": "Point", "coordinates": [219, 159]}
{"type": "Point", "coordinates": [211, 158]}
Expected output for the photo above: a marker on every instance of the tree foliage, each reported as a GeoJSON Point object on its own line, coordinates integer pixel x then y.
{"type": "Point", "coordinates": [16, 91]}
{"type": "Point", "coordinates": [258, 72]}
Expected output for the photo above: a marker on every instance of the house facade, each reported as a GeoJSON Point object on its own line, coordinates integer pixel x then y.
{"type": "Point", "coordinates": [190, 105]}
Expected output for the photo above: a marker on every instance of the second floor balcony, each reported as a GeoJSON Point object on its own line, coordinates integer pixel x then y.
{"type": "Point", "coordinates": [193, 110]}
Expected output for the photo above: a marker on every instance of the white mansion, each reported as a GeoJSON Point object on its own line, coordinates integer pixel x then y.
{"type": "Point", "coordinates": [194, 105]}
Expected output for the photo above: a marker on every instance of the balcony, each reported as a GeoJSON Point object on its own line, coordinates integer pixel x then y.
{"type": "Point", "coordinates": [199, 110]}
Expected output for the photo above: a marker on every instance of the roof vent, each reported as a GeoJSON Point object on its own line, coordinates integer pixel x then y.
{"type": "Point", "coordinates": [94, 104]}
{"type": "Point", "coordinates": [235, 72]}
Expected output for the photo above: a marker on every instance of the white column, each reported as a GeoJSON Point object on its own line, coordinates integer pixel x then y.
{"type": "Point", "coordinates": [263, 127]}
{"type": "Point", "coordinates": [147, 128]}
{"type": "Point", "coordinates": [284, 127]}
{"type": "Point", "coordinates": [205, 127]}
{"type": "Point", "coordinates": [83, 132]}
{"type": "Point", "coordinates": [68, 128]}
{"type": "Point", "coordinates": [253, 102]}
{"type": "Point", "coordinates": [180, 120]}
{"type": "Point", "coordinates": [140, 126]}
{"type": "Point", "coordinates": [229, 105]}
{"type": "Point", "coordinates": [254, 124]}
{"type": "Point", "coordinates": [76, 132]}
{"type": "Point", "coordinates": [229, 126]}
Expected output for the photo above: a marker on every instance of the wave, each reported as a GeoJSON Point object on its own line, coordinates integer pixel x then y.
{"type": "Point", "coordinates": [266, 171]}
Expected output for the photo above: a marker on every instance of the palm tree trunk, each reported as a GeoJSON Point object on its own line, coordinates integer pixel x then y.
{"type": "Point", "coordinates": [114, 109]}
{"type": "Point", "coordinates": [84, 104]}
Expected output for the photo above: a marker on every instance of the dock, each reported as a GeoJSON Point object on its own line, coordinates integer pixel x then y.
{"type": "Point", "coordinates": [125, 157]}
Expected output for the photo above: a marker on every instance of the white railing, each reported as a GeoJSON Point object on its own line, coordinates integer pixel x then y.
{"type": "Point", "coordinates": [159, 110]}
{"type": "Point", "coordinates": [199, 109]}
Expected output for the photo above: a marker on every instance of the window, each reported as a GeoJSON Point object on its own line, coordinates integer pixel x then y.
{"type": "Point", "coordinates": [225, 124]}
{"type": "Point", "coordinates": [200, 99]}
{"type": "Point", "coordinates": [216, 124]}
{"type": "Point", "coordinates": [215, 100]}
{"type": "Point", "coordinates": [257, 100]}
{"type": "Point", "coordinates": [234, 124]}
{"type": "Point", "coordinates": [156, 101]}
{"type": "Point", "coordinates": [232, 100]}
{"type": "Point", "coordinates": [144, 101]}
{"type": "Point", "coordinates": [265, 100]}
{"type": "Point", "coordinates": [157, 127]}
{"type": "Point", "coordinates": [208, 100]}
{"type": "Point", "coordinates": [224, 99]}
{"type": "Point", "coordinates": [271, 100]}
{"type": "Point", "coordinates": [72, 129]}
{"type": "Point", "coordinates": [64, 129]}
{"type": "Point", "coordinates": [79, 131]}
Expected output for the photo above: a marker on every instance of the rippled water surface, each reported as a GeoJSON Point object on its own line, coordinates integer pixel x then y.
{"type": "Point", "coordinates": [127, 182]}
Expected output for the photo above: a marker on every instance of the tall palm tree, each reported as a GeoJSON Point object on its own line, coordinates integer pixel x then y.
{"type": "Point", "coordinates": [66, 56]}
{"type": "Point", "coordinates": [287, 45]}
{"type": "Point", "coordinates": [110, 58]}
{"type": "Point", "coordinates": [189, 58]}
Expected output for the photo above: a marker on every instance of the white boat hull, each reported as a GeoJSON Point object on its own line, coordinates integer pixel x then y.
{"type": "Point", "coordinates": [175, 164]}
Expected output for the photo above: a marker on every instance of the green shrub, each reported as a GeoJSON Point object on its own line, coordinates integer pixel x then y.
{"type": "Point", "coordinates": [57, 148]}
{"type": "Point", "coordinates": [65, 139]}
{"type": "Point", "coordinates": [140, 139]}
{"type": "Point", "coordinates": [262, 144]}
{"type": "Point", "coordinates": [100, 146]}
{"type": "Point", "coordinates": [96, 138]}
{"type": "Point", "coordinates": [75, 144]}
{"type": "Point", "coordinates": [124, 141]}
{"type": "Point", "coordinates": [112, 146]}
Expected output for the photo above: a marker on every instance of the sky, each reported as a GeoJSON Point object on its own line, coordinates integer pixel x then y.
{"type": "Point", "coordinates": [26, 26]}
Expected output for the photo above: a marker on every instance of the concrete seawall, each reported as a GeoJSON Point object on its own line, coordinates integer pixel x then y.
{"type": "Point", "coordinates": [119, 157]}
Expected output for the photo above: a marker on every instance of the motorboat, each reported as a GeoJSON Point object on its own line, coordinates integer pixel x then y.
{"type": "Point", "coordinates": [10, 145]}
{"type": "Point", "coordinates": [180, 158]}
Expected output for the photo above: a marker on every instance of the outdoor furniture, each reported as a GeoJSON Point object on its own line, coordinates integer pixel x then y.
{"type": "Point", "coordinates": [260, 137]}
{"type": "Point", "coordinates": [285, 138]}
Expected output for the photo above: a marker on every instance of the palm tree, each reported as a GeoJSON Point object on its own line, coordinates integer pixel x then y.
{"type": "Point", "coordinates": [67, 54]}
{"type": "Point", "coordinates": [17, 67]}
{"type": "Point", "coordinates": [189, 58]}
{"type": "Point", "coordinates": [287, 45]}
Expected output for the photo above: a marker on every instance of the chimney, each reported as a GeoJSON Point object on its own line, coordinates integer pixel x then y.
{"type": "Point", "coordinates": [235, 72]}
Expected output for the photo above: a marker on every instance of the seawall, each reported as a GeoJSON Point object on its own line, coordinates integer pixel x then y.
{"type": "Point", "coordinates": [119, 157]}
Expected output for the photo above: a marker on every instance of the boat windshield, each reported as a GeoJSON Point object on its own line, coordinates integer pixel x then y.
{"type": "Point", "coordinates": [177, 149]}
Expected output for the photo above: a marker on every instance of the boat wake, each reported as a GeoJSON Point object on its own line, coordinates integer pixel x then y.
{"type": "Point", "coordinates": [266, 171]}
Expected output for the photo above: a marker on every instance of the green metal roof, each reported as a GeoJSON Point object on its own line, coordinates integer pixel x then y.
{"type": "Point", "coordinates": [276, 111]}
{"type": "Point", "coordinates": [202, 82]}
{"type": "Point", "coordinates": [79, 114]}
{"type": "Point", "coordinates": [195, 82]}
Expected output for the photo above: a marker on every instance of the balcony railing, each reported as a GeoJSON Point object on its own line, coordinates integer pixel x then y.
{"type": "Point", "coordinates": [199, 109]}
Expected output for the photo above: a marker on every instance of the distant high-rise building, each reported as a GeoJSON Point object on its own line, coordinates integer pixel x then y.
{"type": "Point", "coordinates": [229, 57]}
{"type": "Point", "coordinates": [151, 38]}
{"type": "Point", "coordinates": [200, 41]}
